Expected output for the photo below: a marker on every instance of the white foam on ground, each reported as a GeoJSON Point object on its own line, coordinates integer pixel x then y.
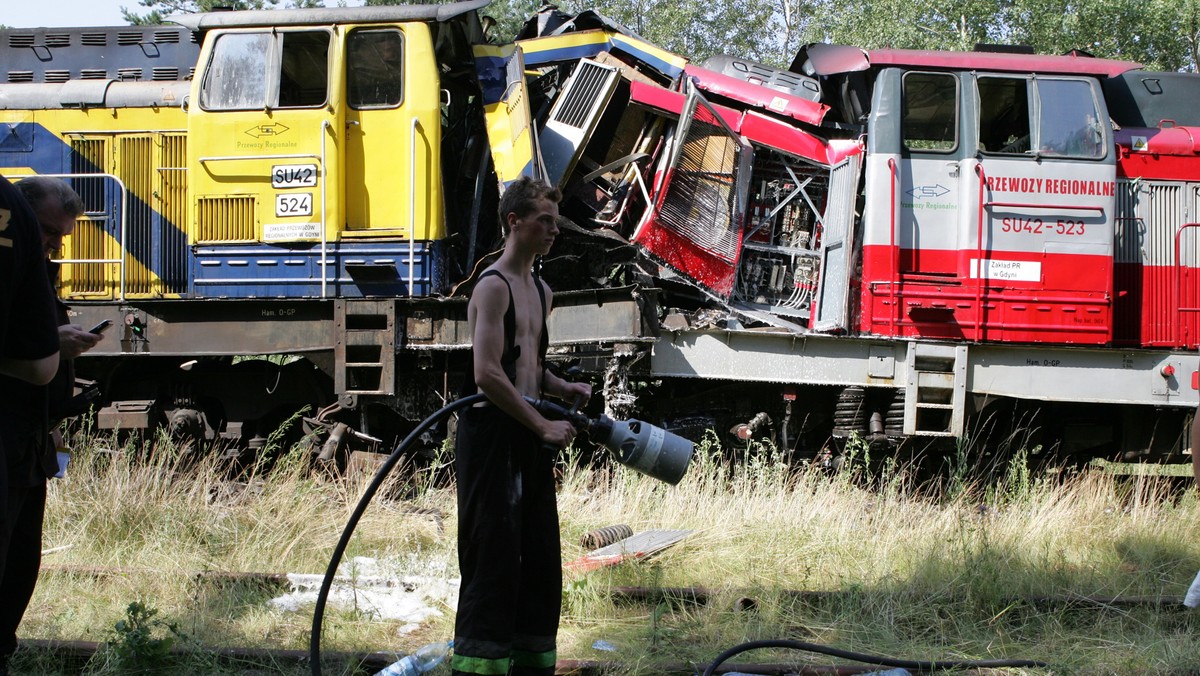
{"type": "Point", "coordinates": [378, 588]}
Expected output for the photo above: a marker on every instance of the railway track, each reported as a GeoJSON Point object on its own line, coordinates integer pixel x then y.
{"type": "Point", "coordinates": [75, 654]}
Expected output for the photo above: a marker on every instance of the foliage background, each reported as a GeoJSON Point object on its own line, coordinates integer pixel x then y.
{"type": "Point", "coordinates": [1161, 34]}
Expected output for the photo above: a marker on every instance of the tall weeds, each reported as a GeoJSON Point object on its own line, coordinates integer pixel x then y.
{"type": "Point", "coordinates": [908, 569]}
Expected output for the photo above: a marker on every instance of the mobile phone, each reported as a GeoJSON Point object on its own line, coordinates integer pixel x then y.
{"type": "Point", "coordinates": [101, 327]}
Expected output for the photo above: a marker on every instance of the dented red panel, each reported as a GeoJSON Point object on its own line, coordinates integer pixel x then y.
{"type": "Point", "coordinates": [1000, 61]}
{"type": "Point", "coordinates": [671, 102]}
{"type": "Point", "coordinates": [755, 126]}
{"type": "Point", "coordinates": [757, 95]}
{"type": "Point", "coordinates": [775, 133]}
{"type": "Point", "coordinates": [704, 267]}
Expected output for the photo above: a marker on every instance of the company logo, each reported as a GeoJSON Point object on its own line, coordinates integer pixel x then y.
{"type": "Point", "coordinates": [267, 130]}
{"type": "Point", "coordinates": [927, 191]}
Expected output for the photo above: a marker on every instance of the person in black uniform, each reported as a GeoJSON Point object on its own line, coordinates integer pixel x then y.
{"type": "Point", "coordinates": [1196, 446]}
{"type": "Point", "coordinates": [508, 540]}
{"type": "Point", "coordinates": [27, 414]}
{"type": "Point", "coordinates": [28, 347]}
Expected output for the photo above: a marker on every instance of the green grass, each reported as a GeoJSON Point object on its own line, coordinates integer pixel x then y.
{"type": "Point", "coordinates": [917, 573]}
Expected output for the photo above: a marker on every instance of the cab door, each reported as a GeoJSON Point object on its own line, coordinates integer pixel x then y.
{"type": "Point", "coordinates": [933, 199]}
{"type": "Point", "coordinates": [393, 133]}
{"type": "Point", "coordinates": [262, 153]}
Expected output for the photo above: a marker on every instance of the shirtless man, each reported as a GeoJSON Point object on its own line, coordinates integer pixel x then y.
{"type": "Point", "coordinates": [508, 540]}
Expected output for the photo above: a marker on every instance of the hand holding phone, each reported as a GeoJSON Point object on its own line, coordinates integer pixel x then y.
{"type": "Point", "coordinates": [101, 327]}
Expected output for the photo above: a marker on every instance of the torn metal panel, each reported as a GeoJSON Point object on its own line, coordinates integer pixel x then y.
{"type": "Point", "coordinates": [501, 72]}
{"type": "Point", "coordinates": [757, 95]}
{"type": "Point", "coordinates": [696, 224]}
{"type": "Point", "coordinates": [587, 44]}
{"type": "Point", "coordinates": [837, 250]}
{"type": "Point", "coordinates": [775, 133]}
{"type": "Point", "coordinates": [573, 118]}
{"type": "Point", "coordinates": [795, 84]}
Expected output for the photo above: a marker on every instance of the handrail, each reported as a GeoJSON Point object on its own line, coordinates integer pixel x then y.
{"type": "Point", "coordinates": [979, 267]}
{"type": "Point", "coordinates": [121, 225]}
{"type": "Point", "coordinates": [1178, 332]}
{"type": "Point", "coordinates": [893, 254]}
{"type": "Point", "coordinates": [292, 156]}
{"type": "Point", "coordinates": [412, 200]}
{"type": "Point", "coordinates": [1054, 207]}
{"type": "Point", "coordinates": [325, 126]}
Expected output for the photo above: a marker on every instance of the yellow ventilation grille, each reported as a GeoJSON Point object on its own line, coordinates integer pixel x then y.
{"type": "Point", "coordinates": [225, 219]}
{"type": "Point", "coordinates": [173, 208]}
{"type": "Point", "coordinates": [135, 166]}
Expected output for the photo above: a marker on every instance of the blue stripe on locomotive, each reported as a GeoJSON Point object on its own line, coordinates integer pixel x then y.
{"type": "Point", "coordinates": [152, 240]}
{"type": "Point", "coordinates": [363, 269]}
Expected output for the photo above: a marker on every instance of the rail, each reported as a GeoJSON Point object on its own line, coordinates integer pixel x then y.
{"type": "Point", "coordinates": [979, 267]}
{"type": "Point", "coordinates": [1179, 328]}
{"type": "Point", "coordinates": [292, 156]}
{"type": "Point", "coordinates": [1030, 205]}
{"type": "Point", "coordinates": [893, 255]}
{"type": "Point", "coordinates": [412, 200]}
{"type": "Point", "coordinates": [325, 126]}
{"type": "Point", "coordinates": [121, 229]}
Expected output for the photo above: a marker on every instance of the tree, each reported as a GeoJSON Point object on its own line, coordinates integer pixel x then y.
{"type": "Point", "coordinates": [160, 9]}
{"type": "Point", "coordinates": [1160, 34]}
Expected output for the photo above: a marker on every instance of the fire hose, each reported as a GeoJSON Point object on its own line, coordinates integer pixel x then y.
{"type": "Point", "coordinates": [641, 446]}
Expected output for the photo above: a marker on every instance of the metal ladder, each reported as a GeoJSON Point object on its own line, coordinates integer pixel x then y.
{"type": "Point", "coordinates": [935, 393]}
{"type": "Point", "coordinates": [364, 347]}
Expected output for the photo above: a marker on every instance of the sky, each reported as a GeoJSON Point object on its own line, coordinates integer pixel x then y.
{"type": "Point", "coordinates": [65, 13]}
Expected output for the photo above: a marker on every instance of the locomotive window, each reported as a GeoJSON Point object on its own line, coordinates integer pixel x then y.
{"type": "Point", "coordinates": [250, 71]}
{"type": "Point", "coordinates": [236, 78]}
{"type": "Point", "coordinates": [374, 69]}
{"type": "Point", "coordinates": [1063, 120]}
{"type": "Point", "coordinates": [1068, 119]}
{"type": "Point", "coordinates": [304, 69]}
{"type": "Point", "coordinates": [930, 118]}
{"type": "Point", "coordinates": [1004, 115]}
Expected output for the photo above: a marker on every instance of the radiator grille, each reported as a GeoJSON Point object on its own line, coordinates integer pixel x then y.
{"type": "Point", "coordinates": [699, 202]}
{"type": "Point", "coordinates": [1153, 292]}
{"type": "Point", "coordinates": [590, 80]}
{"type": "Point", "coordinates": [225, 219]}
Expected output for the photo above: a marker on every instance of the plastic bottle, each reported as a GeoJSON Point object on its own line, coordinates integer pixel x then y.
{"type": "Point", "coordinates": [1192, 599]}
{"type": "Point", "coordinates": [423, 661]}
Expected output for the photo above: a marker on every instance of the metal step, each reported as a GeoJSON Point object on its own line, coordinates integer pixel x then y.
{"type": "Point", "coordinates": [365, 347]}
{"type": "Point", "coordinates": [936, 391]}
